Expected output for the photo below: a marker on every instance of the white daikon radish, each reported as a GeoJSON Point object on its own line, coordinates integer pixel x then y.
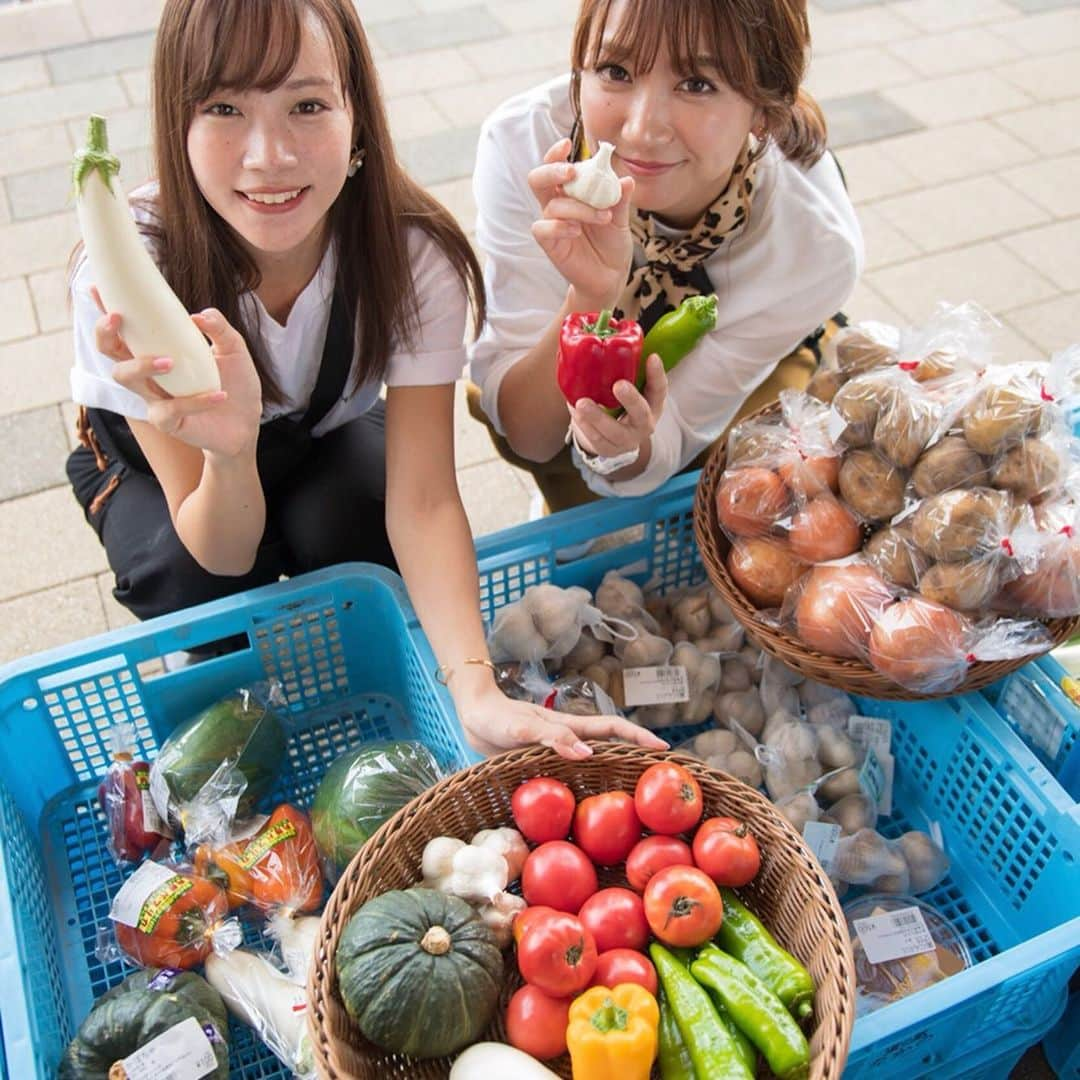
{"type": "Point", "coordinates": [497, 1061]}
{"type": "Point", "coordinates": [154, 322]}
{"type": "Point", "coordinates": [595, 181]}
{"type": "Point", "coordinates": [296, 936]}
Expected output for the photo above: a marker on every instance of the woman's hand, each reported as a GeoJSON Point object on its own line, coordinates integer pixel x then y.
{"type": "Point", "coordinates": [599, 432]}
{"type": "Point", "coordinates": [592, 249]}
{"type": "Point", "coordinates": [224, 422]}
{"type": "Point", "coordinates": [494, 722]}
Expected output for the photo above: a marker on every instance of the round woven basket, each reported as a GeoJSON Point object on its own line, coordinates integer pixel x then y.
{"type": "Point", "coordinates": [790, 894]}
{"type": "Point", "coordinates": [851, 675]}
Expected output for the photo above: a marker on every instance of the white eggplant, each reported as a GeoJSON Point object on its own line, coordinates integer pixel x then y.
{"type": "Point", "coordinates": [595, 181]}
{"type": "Point", "coordinates": [155, 323]}
{"type": "Point", "coordinates": [497, 1061]}
{"type": "Point", "coordinates": [296, 936]}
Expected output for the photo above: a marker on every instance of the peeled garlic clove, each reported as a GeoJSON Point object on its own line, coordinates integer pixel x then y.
{"type": "Point", "coordinates": [595, 181]}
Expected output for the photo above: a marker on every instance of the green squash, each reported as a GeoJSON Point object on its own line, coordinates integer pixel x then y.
{"type": "Point", "coordinates": [419, 972]}
{"type": "Point", "coordinates": [362, 789]}
{"type": "Point", "coordinates": [143, 1006]}
{"type": "Point", "coordinates": [241, 730]}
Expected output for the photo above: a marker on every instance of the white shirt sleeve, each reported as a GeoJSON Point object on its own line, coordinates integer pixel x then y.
{"type": "Point", "coordinates": [436, 355]}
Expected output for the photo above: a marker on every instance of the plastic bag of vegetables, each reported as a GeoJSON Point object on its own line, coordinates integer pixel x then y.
{"type": "Point", "coordinates": [177, 1006]}
{"type": "Point", "coordinates": [364, 788]}
{"type": "Point", "coordinates": [216, 766]}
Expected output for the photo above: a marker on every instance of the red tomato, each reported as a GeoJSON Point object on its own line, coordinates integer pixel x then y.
{"type": "Point", "coordinates": [523, 918]}
{"type": "Point", "coordinates": [616, 918]}
{"type": "Point", "coordinates": [543, 809]}
{"type": "Point", "coordinates": [652, 854]}
{"type": "Point", "coordinates": [683, 906]}
{"type": "Point", "coordinates": [536, 1022]}
{"type": "Point", "coordinates": [558, 955]}
{"type": "Point", "coordinates": [624, 966]}
{"type": "Point", "coordinates": [668, 799]}
{"type": "Point", "coordinates": [606, 827]}
{"type": "Point", "coordinates": [727, 851]}
{"type": "Point", "coordinates": [558, 875]}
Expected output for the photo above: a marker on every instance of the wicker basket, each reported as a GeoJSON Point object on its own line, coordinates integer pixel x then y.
{"type": "Point", "coordinates": [790, 894]}
{"type": "Point", "coordinates": [851, 675]}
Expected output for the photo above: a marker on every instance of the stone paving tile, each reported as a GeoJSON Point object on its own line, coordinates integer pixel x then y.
{"type": "Point", "coordinates": [30, 28]}
{"type": "Point", "coordinates": [430, 70]}
{"type": "Point", "coordinates": [885, 243]}
{"type": "Point", "coordinates": [961, 213]}
{"type": "Point", "coordinates": [1034, 6]}
{"type": "Point", "coordinates": [871, 173]}
{"type": "Point", "coordinates": [99, 58]}
{"type": "Point", "coordinates": [39, 464]}
{"type": "Point", "coordinates": [974, 148]}
{"type": "Point", "coordinates": [1049, 33]}
{"type": "Point", "coordinates": [842, 30]}
{"type": "Point", "coordinates": [109, 20]}
{"type": "Point", "coordinates": [1046, 78]}
{"type": "Point", "coordinates": [861, 118]}
{"type": "Point", "coordinates": [49, 618]}
{"type": "Point", "coordinates": [129, 129]}
{"type": "Point", "coordinates": [472, 444]}
{"type": "Point", "coordinates": [54, 103]}
{"type": "Point", "coordinates": [1056, 126]}
{"type": "Point", "coordinates": [855, 71]}
{"type": "Point", "coordinates": [5, 212]}
{"type": "Point", "coordinates": [437, 30]}
{"type": "Point", "coordinates": [1051, 182]}
{"type": "Point", "coordinates": [493, 495]}
{"type": "Point", "coordinates": [46, 542]}
{"type": "Point", "coordinates": [49, 291]}
{"type": "Point", "coordinates": [1055, 252]}
{"type": "Point", "coordinates": [1011, 346]}
{"type": "Point", "coordinates": [529, 15]}
{"type": "Point", "coordinates": [865, 303]}
{"type": "Point", "coordinates": [935, 17]}
{"type": "Point", "coordinates": [446, 155]}
{"type": "Point", "coordinates": [373, 12]}
{"type": "Point", "coordinates": [457, 197]}
{"type": "Point", "coordinates": [34, 148]}
{"type": "Point", "coordinates": [34, 372]}
{"type": "Point", "coordinates": [414, 116]}
{"type": "Point", "coordinates": [472, 103]}
{"type": "Point", "coordinates": [48, 191]}
{"type": "Point", "coordinates": [1052, 325]}
{"type": "Point", "coordinates": [968, 49]}
{"type": "Point", "coordinates": [987, 273]}
{"type": "Point", "coordinates": [846, 5]}
{"type": "Point", "coordinates": [539, 50]}
{"type": "Point", "coordinates": [116, 615]}
{"type": "Point", "coordinates": [16, 313]}
{"type": "Point", "coordinates": [137, 86]}
{"type": "Point", "coordinates": [937, 102]}
{"type": "Point", "coordinates": [22, 73]}
{"type": "Point", "coordinates": [69, 410]}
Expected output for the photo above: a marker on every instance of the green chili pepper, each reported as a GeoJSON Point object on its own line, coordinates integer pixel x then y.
{"type": "Point", "coordinates": [743, 936]}
{"type": "Point", "coordinates": [747, 1050]}
{"type": "Point", "coordinates": [711, 1047]}
{"type": "Point", "coordinates": [674, 1056]}
{"type": "Point", "coordinates": [757, 1010]}
{"type": "Point", "coordinates": [676, 333]}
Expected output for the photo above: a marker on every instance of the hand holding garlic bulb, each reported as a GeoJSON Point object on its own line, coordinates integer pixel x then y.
{"type": "Point", "coordinates": [595, 181]}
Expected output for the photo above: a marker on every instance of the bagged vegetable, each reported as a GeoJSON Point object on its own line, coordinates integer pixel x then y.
{"type": "Point", "coordinates": [218, 765]}
{"type": "Point", "coordinates": [1051, 588]}
{"type": "Point", "coordinates": [362, 789]}
{"type": "Point", "coordinates": [134, 825]}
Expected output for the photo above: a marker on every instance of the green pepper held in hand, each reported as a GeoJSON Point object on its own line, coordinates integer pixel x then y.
{"type": "Point", "coordinates": [744, 936]}
{"type": "Point", "coordinates": [757, 1010]}
{"type": "Point", "coordinates": [675, 334]}
{"type": "Point", "coordinates": [675, 1060]}
{"type": "Point", "coordinates": [595, 352]}
{"type": "Point", "coordinates": [712, 1049]}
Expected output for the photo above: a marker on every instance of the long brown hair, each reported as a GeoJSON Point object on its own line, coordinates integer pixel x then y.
{"type": "Point", "coordinates": [206, 45]}
{"type": "Point", "coordinates": [760, 45]}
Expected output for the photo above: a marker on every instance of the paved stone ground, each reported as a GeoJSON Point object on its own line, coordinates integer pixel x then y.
{"type": "Point", "coordinates": [957, 122]}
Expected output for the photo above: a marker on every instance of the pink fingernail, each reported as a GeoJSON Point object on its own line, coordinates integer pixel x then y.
{"type": "Point", "coordinates": [162, 363]}
{"type": "Point", "coordinates": [219, 395]}
{"type": "Point", "coordinates": [583, 749]}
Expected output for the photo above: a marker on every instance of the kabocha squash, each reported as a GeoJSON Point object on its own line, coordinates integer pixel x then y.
{"type": "Point", "coordinates": [144, 1006]}
{"type": "Point", "coordinates": [419, 972]}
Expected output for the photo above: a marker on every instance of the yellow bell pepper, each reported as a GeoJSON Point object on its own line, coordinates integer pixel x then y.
{"type": "Point", "coordinates": [612, 1033]}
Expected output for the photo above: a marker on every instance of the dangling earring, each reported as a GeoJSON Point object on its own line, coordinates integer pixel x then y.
{"type": "Point", "coordinates": [355, 162]}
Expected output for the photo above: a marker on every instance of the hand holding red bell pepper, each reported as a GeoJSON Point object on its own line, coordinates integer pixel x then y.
{"type": "Point", "coordinates": [595, 352]}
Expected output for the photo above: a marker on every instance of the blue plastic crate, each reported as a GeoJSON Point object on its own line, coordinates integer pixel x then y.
{"type": "Point", "coordinates": [355, 666]}
{"type": "Point", "coordinates": [1012, 834]}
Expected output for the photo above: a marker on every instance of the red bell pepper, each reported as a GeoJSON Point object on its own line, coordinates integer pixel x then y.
{"type": "Point", "coordinates": [595, 352]}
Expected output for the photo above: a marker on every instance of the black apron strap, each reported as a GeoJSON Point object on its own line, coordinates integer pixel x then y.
{"type": "Point", "coordinates": [334, 368]}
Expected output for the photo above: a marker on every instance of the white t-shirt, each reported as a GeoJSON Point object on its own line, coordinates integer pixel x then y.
{"type": "Point", "coordinates": [294, 351]}
{"type": "Point", "coordinates": [792, 267]}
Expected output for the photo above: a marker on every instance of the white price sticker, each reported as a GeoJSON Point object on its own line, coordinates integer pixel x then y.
{"type": "Point", "coordinates": [837, 425]}
{"type": "Point", "coordinates": [129, 901]}
{"type": "Point", "coordinates": [895, 935]}
{"type": "Point", "coordinates": [182, 1053]}
{"type": "Point", "coordinates": [871, 731]}
{"type": "Point", "coordinates": [1028, 710]}
{"type": "Point", "coordinates": [876, 779]}
{"type": "Point", "coordinates": [151, 819]}
{"type": "Point", "coordinates": [667, 685]}
{"type": "Point", "coordinates": [822, 839]}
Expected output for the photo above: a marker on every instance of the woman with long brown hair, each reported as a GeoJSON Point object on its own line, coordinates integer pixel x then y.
{"type": "Point", "coordinates": [726, 188]}
{"type": "Point", "coordinates": [321, 274]}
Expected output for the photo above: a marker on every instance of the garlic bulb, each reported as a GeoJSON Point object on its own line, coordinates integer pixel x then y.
{"type": "Point", "coordinates": [595, 181]}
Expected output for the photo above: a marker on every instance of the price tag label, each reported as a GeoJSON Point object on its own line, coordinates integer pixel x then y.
{"type": "Point", "coordinates": [128, 903]}
{"type": "Point", "coordinates": [667, 685]}
{"type": "Point", "coordinates": [871, 731]}
{"type": "Point", "coordinates": [181, 1053]}
{"type": "Point", "coordinates": [876, 779]}
{"type": "Point", "coordinates": [1033, 715]}
{"type": "Point", "coordinates": [894, 936]}
{"type": "Point", "coordinates": [822, 839]}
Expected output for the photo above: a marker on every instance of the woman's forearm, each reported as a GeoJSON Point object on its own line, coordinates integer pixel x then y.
{"type": "Point", "coordinates": [222, 521]}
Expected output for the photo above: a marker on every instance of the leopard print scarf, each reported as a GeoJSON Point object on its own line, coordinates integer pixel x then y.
{"type": "Point", "coordinates": [670, 272]}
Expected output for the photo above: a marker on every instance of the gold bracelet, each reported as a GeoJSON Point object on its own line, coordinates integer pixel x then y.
{"type": "Point", "coordinates": [444, 672]}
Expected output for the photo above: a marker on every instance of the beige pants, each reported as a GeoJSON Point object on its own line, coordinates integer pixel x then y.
{"type": "Point", "coordinates": [561, 483]}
